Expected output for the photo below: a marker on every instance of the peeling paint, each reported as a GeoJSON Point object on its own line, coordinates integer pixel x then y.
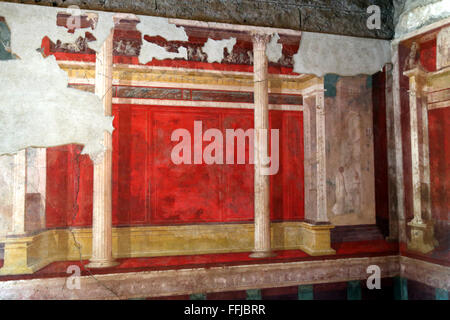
{"type": "Point", "coordinates": [320, 54]}
{"type": "Point", "coordinates": [214, 48]}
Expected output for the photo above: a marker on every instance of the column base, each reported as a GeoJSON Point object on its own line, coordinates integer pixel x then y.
{"type": "Point", "coordinates": [422, 236]}
{"type": "Point", "coordinates": [316, 239]}
{"type": "Point", "coordinates": [96, 264]}
{"type": "Point", "coordinates": [262, 254]}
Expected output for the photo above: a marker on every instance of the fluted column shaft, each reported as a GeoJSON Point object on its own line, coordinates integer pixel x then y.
{"type": "Point", "coordinates": [261, 123]}
{"type": "Point", "coordinates": [102, 202]}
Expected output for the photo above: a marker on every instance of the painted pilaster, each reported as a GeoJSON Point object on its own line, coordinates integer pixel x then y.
{"type": "Point", "coordinates": [19, 193]}
{"type": "Point", "coordinates": [392, 169]}
{"type": "Point", "coordinates": [102, 202]}
{"type": "Point", "coordinates": [17, 243]}
{"type": "Point", "coordinates": [422, 235]}
{"type": "Point", "coordinates": [261, 122]}
{"type": "Point", "coordinates": [316, 228]}
{"type": "Point", "coordinates": [396, 166]}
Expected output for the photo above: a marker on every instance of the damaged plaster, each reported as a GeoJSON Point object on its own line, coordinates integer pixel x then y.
{"type": "Point", "coordinates": [155, 26]}
{"type": "Point", "coordinates": [149, 51]}
{"type": "Point", "coordinates": [38, 109]}
{"type": "Point", "coordinates": [215, 48]}
{"type": "Point", "coordinates": [274, 49]}
{"type": "Point", "coordinates": [36, 106]}
{"type": "Point", "coordinates": [320, 54]}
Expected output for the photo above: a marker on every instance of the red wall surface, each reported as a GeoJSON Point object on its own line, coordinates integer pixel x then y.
{"type": "Point", "coordinates": [439, 133]}
{"type": "Point", "coordinates": [148, 188]}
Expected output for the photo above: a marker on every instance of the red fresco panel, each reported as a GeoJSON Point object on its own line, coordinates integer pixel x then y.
{"type": "Point", "coordinates": [185, 192]}
{"type": "Point", "coordinates": [85, 192]}
{"type": "Point", "coordinates": [287, 186]}
{"type": "Point", "coordinates": [428, 55]}
{"type": "Point", "coordinates": [239, 187]}
{"type": "Point", "coordinates": [439, 144]}
{"type": "Point", "coordinates": [56, 187]}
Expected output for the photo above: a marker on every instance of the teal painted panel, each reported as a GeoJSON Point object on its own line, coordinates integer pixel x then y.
{"type": "Point", "coordinates": [254, 294]}
{"type": "Point", "coordinates": [197, 296]}
{"type": "Point", "coordinates": [305, 292]}
{"type": "Point", "coordinates": [5, 42]}
{"type": "Point", "coordinates": [369, 82]}
{"type": "Point", "coordinates": [400, 288]}
{"type": "Point", "coordinates": [441, 294]}
{"type": "Point", "coordinates": [354, 290]}
{"type": "Point", "coordinates": [329, 84]}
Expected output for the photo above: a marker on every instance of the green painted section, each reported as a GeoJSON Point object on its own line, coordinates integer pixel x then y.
{"type": "Point", "coordinates": [329, 84]}
{"type": "Point", "coordinates": [441, 294]}
{"type": "Point", "coordinates": [369, 82]}
{"type": "Point", "coordinates": [400, 288]}
{"type": "Point", "coordinates": [5, 41]}
{"type": "Point", "coordinates": [354, 290]}
{"type": "Point", "coordinates": [137, 299]}
{"type": "Point", "coordinates": [197, 296]}
{"type": "Point", "coordinates": [254, 294]}
{"type": "Point", "coordinates": [305, 292]}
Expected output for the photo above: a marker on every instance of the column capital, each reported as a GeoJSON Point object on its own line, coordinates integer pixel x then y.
{"type": "Point", "coordinates": [260, 40]}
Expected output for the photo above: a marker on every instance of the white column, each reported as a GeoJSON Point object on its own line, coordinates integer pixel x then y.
{"type": "Point", "coordinates": [261, 118]}
{"type": "Point", "coordinates": [102, 202]}
{"type": "Point", "coordinates": [322, 216]}
{"type": "Point", "coordinates": [19, 193]}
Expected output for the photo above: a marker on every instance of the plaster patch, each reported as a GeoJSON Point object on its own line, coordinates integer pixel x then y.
{"type": "Point", "coordinates": [320, 54]}
{"type": "Point", "coordinates": [214, 48]}
{"type": "Point", "coordinates": [151, 50]}
{"type": "Point", "coordinates": [38, 109]}
{"type": "Point", "coordinates": [30, 23]}
{"type": "Point", "coordinates": [156, 26]}
{"type": "Point", "coordinates": [274, 49]}
{"type": "Point", "coordinates": [36, 106]}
